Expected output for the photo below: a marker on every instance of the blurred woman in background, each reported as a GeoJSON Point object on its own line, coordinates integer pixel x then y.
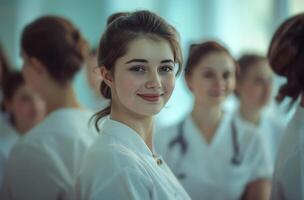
{"type": "Point", "coordinates": [25, 110]}
{"type": "Point", "coordinates": [254, 90]}
{"type": "Point", "coordinates": [207, 151]}
{"type": "Point", "coordinates": [44, 163]}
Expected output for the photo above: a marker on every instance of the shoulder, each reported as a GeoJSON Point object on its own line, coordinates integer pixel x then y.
{"type": "Point", "coordinates": [107, 157]}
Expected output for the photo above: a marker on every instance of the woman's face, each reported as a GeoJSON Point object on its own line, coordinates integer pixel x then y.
{"type": "Point", "coordinates": [26, 107]}
{"type": "Point", "coordinates": [255, 87]}
{"type": "Point", "coordinates": [144, 77]}
{"type": "Point", "coordinates": [212, 79]}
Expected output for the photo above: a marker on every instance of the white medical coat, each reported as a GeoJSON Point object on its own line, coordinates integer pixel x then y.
{"type": "Point", "coordinates": [120, 166]}
{"type": "Point", "coordinates": [8, 138]}
{"type": "Point", "coordinates": [288, 178]}
{"type": "Point", "coordinates": [44, 163]}
{"type": "Point", "coordinates": [205, 170]}
{"type": "Point", "coordinates": [270, 129]}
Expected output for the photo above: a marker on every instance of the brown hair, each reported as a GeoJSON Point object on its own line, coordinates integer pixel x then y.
{"type": "Point", "coordinates": [115, 16]}
{"type": "Point", "coordinates": [124, 29]}
{"type": "Point", "coordinates": [198, 51]}
{"type": "Point", "coordinates": [286, 56]}
{"type": "Point", "coordinates": [57, 44]}
{"type": "Point", "coordinates": [5, 65]}
{"type": "Point", "coordinates": [247, 61]}
{"type": "Point", "coordinates": [11, 84]}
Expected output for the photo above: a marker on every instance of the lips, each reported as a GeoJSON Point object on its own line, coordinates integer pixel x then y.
{"type": "Point", "coordinates": [151, 97]}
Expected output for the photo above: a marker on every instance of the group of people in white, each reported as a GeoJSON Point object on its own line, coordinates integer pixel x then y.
{"type": "Point", "coordinates": [52, 148]}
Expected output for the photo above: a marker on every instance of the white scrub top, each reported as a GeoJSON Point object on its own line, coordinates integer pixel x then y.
{"type": "Point", "coordinates": [206, 170]}
{"type": "Point", "coordinates": [8, 138]}
{"type": "Point", "coordinates": [270, 129]}
{"type": "Point", "coordinates": [44, 162]}
{"type": "Point", "coordinates": [120, 166]}
{"type": "Point", "coordinates": [288, 180]}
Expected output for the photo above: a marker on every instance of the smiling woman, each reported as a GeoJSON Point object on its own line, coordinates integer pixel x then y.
{"type": "Point", "coordinates": [208, 153]}
{"type": "Point", "coordinates": [137, 57]}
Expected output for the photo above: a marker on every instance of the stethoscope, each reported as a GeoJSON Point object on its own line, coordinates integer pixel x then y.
{"type": "Point", "coordinates": [180, 140]}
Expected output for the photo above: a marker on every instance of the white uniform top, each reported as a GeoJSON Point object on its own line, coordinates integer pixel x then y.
{"type": "Point", "coordinates": [44, 162]}
{"type": "Point", "coordinates": [270, 129]}
{"type": "Point", "coordinates": [8, 138]}
{"type": "Point", "coordinates": [120, 166]}
{"type": "Point", "coordinates": [206, 170]}
{"type": "Point", "coordinates": [288, 180]}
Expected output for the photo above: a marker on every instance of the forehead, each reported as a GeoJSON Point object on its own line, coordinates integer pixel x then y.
{"type": "Point", "coordinates": [217, 61]}
{"type": "Point", "coordinates": [260, 68]}
{"type": "Point", "coordinates": [150, 49]}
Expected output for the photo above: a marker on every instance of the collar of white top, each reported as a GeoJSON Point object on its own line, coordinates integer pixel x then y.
{"type": "Point", "coordinates": [126, 135]}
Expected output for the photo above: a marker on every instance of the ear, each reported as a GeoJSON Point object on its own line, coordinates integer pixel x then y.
{"type": "Point", "coordinates": [106, 76]}
{"type": "Point", "coordinates": [38, 66]}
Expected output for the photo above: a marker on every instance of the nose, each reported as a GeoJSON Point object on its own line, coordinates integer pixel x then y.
{"type": "Point", "coordinates": [219, 82]}
{"type": "Point", "coordinates": [154, 81]}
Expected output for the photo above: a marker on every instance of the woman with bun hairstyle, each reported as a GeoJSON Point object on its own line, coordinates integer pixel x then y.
{"type": "Point", "coordinates": [137, 56]}
{"type": "Point", "coordinates": [43, 164]}
{"type": "Point", "coordinates": [207, 151]}
{"type": "Point", "coordinates": [286, 57]}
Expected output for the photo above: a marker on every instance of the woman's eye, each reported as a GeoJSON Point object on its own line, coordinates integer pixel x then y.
{"type": "Point", "coordinates": [137, 69]}
{"type": "Point", "coordinates": [226, 75]}
{"type": "Point", "coordinates": [166, 69]}
{"type": "Point", "coordinates": [208, 75]}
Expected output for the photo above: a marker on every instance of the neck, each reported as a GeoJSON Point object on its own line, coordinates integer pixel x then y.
{"type": "Point", "coordinates": [61, 97]}
{"type": "Point", "coordinates": [251, 115]}
{"type": "Point", "coordinates": [143, 126]}
{"type": "Point", "coordinates": [207, 119]}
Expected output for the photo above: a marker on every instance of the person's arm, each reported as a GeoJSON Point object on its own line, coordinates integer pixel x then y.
{"type": "Point", "coordinates": [259, 186]}
{"type": "Point", "coordinates": [258, 190]}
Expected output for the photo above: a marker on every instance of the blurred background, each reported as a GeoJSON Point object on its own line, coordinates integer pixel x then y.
{"type": "Point", "coordinates": [242, 26]}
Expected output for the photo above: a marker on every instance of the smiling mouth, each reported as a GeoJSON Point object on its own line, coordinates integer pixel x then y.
{"type": "Point", "coordinates": [151, 97]}
{"type": "Point", "coordinates": [216, 94]}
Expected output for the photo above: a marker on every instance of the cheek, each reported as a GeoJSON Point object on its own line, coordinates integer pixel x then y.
{"type": "Point", "coordinates": [169, 84]}
{"type": "Point", "coordinates": [21, 109]}
{"type": "Point", "coordinates": [251, 91]}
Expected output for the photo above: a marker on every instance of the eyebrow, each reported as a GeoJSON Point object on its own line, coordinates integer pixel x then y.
{"type": "Point", "coordinates": [145, 61]}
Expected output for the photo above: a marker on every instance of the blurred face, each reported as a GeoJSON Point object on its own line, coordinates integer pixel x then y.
{"type": "Point", "coordinates": [26, 107]}
{"type": "Point", "coordinates": [213, 79]}
{"type": "Point", "coordinates": [144, 77]}
{"type": "Point", "coordinates": [255, 86]}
